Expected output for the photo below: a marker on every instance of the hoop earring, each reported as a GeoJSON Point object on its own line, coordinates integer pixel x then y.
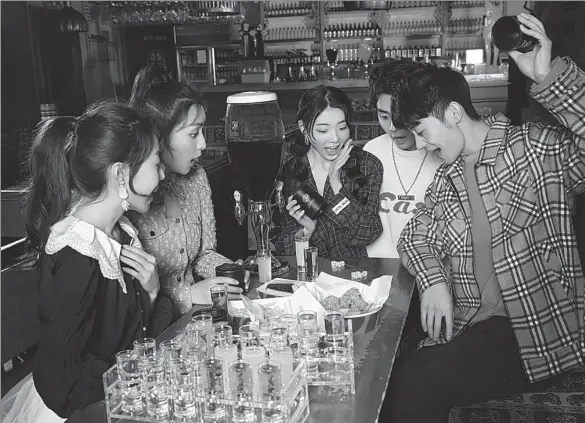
{"type": "Point", "coordinates": [123, 194]}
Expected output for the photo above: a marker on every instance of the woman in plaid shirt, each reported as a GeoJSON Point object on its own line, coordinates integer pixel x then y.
{"type": "Point", "coordinates": [349, 179]}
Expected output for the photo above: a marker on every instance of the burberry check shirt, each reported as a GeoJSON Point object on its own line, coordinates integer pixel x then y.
{"type": "Point", "coordinates": [528, 177]}
{"type": "Point", "coordinates": [346, 225]}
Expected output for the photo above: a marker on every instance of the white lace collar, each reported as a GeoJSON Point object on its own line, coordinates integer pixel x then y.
{"type": "Point", "coordinates": [92, 242]}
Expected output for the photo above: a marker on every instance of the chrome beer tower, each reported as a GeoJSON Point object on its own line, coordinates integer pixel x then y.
{"type": "Point", "coordinates": [260, 213]}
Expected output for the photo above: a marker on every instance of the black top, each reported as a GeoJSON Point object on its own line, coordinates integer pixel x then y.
{"type": "Point", "coordinates": [85, 319]}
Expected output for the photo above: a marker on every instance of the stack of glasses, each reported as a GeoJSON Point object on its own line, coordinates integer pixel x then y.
{"type": "Point", "coordinates": [208, 374]}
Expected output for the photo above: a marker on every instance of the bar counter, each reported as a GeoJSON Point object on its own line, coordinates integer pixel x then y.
{"type": "Point", "coordinates": [375, 352]}
{"type": "Point", "coordinates": [349, 85]}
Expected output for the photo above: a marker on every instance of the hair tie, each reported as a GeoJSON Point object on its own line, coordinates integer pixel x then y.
{"type": "Point", "coordinates": [72, 135]}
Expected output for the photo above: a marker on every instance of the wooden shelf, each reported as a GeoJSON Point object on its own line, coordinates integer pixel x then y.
{"type": "Point", "coordinates": [227, 65]}
{"type": "Point", "coordinates": [412, 36]}
{"type": "Point", "coordinates": [286, 16]}
{"type": "Point", "coordinates": [350, 39]}
{"type": "Point", "coordinates": [276, 42]}
{"type": "Point", "coordinates": [463, 34]}
{"type": "Point", "coordinates": [348, 85]}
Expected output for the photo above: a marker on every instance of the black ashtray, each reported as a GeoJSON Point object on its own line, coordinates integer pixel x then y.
{"type": "Point", "coordinates": [234, 271]}
{"type": "Point", "coordinates": [217, 314]}
{"type": "Point", "coordinates": [310, 201]}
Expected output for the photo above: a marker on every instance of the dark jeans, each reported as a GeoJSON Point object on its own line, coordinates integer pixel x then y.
{"type": "Point", "coordinates": [481, 363]}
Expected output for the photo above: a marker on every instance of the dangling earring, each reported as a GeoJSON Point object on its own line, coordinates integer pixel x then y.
{"type": "Point", "coordinates": [123, 194]}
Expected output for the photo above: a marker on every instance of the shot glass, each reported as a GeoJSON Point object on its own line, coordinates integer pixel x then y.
{"type": "Point", "coordinates": [219, 296]}
{"type": "Point", "coordinates": [301, 243]}
{"type": "Point", "coordinates": [307, 320]}
{"type": "Point", "coordinates": [145, 347]}
{"type": "Point", "coordinates": [264, 261]}
{"type": "Point", "coordinates": [309, 352]}
{"type": "Point", "coordinates": [283, 355]}
{"type": "Point", "coordinates": [213, 389]}
{"type": "Point", "coordinates": [249, 336]}
{"type": "Point", "coordinates": [278, 336]}
{"type": "Point", "coordinates": [334, 323]}
{"type": "Point", "coordinates": [311, 263]}
{"type": "Point", "coordinates": [172, 348]}
{"type": "Point", "coordinates": [182, 388]}
{"type": "Point", "coordinates": [129, 372]}
{"type": "Point", "coordinates": [241, 392]}
{"type": "Point", "coordinates": [222, 335]}
{"type": "Point", "coordinates": [195, 348]}
{"type": "Point", "coordinates": [264, 333]}
{"type": "Point", "coordinates": [270, 381]}
{"type": "Point", "coordinates": [336, 367]}
{"type": "Point", "coordinates": [292, 323]}
{"type": "Point", "coordinates": [254, 355]}
{"type": "Point", "coordinates": [155, 386]}
{"type": "Point", "coordinates": [205, 321]}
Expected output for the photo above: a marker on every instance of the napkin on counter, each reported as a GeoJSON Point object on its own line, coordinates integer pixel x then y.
{"type": "Point", "coordinates": [376, 293]}
{"type": "Point", "coordinates": [271, 308]}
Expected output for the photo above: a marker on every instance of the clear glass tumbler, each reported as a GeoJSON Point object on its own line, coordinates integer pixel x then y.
{"type": "Point", "coordinates": [270, 380]}
{"type": "Point", "coordinates": [129, 372]}
{"type": "Point", "coordinates": [241, 392]}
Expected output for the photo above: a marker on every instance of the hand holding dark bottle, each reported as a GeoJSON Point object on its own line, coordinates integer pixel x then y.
{"type": "Point", "coordinates": [536, 63]}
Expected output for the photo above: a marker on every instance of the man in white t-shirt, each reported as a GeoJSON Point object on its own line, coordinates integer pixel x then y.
{"type": "Point", "coordinates": [407, 171]}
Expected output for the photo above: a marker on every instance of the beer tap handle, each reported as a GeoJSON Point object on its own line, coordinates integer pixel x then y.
{"type": "Point", "coordinates": [239, 211]}
{"type": "Point", "coordinates": [279, 196]}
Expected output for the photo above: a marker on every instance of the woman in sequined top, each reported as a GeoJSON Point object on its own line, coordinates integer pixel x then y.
{"type": "Point", "coordinates": [179, 229]}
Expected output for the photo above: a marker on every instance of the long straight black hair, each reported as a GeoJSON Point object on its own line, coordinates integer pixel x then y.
{"type": "Point", "coordinates": [69, 160]}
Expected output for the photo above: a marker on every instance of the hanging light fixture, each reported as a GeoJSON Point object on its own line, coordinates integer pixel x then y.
{"type": "Point", "coordinates": [72, 20]}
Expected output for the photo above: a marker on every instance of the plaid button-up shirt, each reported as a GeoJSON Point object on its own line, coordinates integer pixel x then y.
{"type": "Point", "coordinates": [339, 233]}
{"type": "Point", "coordinates": [528, 176]}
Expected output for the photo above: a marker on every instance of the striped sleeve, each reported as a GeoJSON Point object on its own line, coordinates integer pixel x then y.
{"type": "Point", "coordinates": [421, 247]}
{"type": "Point", "coordinates": [562, 92]}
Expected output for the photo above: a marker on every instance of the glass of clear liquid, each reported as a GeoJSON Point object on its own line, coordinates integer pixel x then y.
{"type": "Point", "coordinates": [311, 263]}
{"type": "Point", "coordinates": [182, 387]}
{"type": "Point", "coordinates": [155, 387]}
{"type": "Point", "coordinates": [270, 380]}
{"type": "Point", "coordinates": [129, 371]}
{"type": "Point", "coordinates": [214, 389]}
{"type": "Point", "coordinates": [264, 261]}
{"type": "Point", "coordinates": [241, 392]}
{"type": "Point", "coordinates": [301, 242]}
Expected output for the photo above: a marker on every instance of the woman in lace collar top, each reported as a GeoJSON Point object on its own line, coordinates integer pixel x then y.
{"type": "Point", "coordinates": [179, 229]}
{"type": "Point", "coordinates": [98, 290]}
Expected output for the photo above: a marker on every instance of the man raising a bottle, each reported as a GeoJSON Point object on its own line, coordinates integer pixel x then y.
{"type": "Point", "coordinates": [493, 251]}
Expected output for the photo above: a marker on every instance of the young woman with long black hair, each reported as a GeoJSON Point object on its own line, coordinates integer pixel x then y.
{"type": "Point", "coordinates": [323, 156]}
{"type": "Point", "coordinates": [98, 290]}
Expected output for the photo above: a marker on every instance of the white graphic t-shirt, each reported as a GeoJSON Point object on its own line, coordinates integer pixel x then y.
{"type": "Point", "coordinates": [396, 206]}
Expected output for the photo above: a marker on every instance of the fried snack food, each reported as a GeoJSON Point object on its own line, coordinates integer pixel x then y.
{"type": "Point", "coordinates": [331, 303]}
{"type": "Point", "coordinates": [350, 300]}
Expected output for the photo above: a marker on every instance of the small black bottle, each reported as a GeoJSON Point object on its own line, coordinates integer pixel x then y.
{"type": "Point", "coordinates": [507, 36]}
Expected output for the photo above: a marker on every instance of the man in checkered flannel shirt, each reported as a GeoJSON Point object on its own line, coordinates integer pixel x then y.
{"type": "Point", "coordinates": [494, 252]}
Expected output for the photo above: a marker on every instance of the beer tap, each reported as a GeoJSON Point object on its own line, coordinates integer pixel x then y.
{"type": "Point", "coordinates": [279, 197]}
{"type": "Point", "coordinates": [239, 211]}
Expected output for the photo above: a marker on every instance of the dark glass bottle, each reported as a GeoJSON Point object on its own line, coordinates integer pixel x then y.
{"type": "Point", "coordinates": [507, 36]}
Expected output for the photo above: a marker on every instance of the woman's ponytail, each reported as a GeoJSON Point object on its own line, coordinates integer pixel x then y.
{"type": "Point", "coordinates": [50, 185]}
